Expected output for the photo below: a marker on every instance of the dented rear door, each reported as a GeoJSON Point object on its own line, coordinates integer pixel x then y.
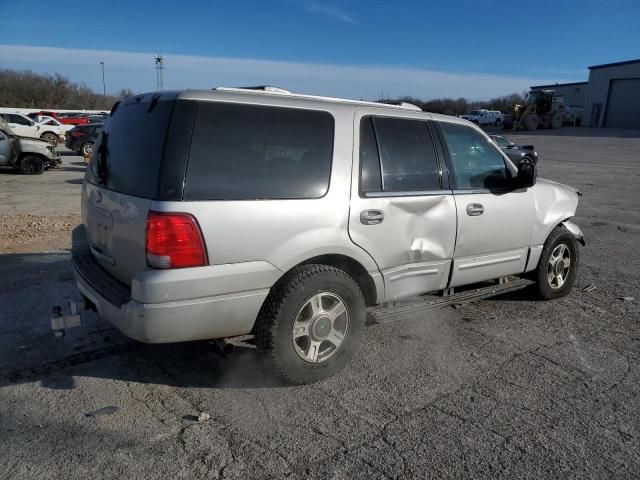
{"type": "Point", "coordinates": [402, 210]}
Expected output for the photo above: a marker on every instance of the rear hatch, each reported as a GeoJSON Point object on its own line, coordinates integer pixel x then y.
{"type": "Point", "coordinates": [122, 180]}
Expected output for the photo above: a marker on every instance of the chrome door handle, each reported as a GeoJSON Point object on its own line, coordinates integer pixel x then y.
{"type": "Point", "coordinates": [475, 209]}
{"type": "Point", "coordinates": [371, 217]}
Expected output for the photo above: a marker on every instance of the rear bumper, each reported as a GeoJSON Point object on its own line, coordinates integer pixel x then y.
{"type": "Point", "coordinates": [179, 320]}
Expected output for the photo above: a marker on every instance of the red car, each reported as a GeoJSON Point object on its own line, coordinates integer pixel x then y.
{"type": "Point", "coordinates": [66, 120]}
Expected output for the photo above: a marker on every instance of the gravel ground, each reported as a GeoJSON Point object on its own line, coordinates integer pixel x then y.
{"type": "Point", "coordinates": [509, 387]}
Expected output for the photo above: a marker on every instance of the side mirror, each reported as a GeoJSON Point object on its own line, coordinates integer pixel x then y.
{"type": "Point", "coordinates": [527, 173]}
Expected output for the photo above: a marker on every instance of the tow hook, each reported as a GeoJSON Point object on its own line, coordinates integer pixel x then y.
{"type": "Point", "coordinates": [60, 322]}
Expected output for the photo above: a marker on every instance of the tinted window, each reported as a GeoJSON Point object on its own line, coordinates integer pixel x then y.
{"type": "Point", "coordinates": [475, 160]}
{"type": "Point", "coordinates": [407, 155]}
{"type": "Point", "coordinates": [18, 119]}
{"type": "Point", "coordinates": [501, 141]}
{"type": "Point", "coordinates": [241, 152]}
{"type": "Point", "coordinates": [370, 180]}
{"type": "Point", "coordinates": [133, 146]}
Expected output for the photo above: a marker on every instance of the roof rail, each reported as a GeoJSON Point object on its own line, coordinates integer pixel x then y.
{"type": "Point", "coordinates": [408, 105]}
{"type": "Point", "coordinates": [260, 88]}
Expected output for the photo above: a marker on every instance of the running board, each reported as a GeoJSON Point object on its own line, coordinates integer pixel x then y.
{"type": "Point", "coordinates": [385, 314]}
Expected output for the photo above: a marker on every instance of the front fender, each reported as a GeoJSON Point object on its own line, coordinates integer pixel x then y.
{"type": "Point", "coordinates": [575, 230]}
{"type": "Point", "coordinates": [554, 204]}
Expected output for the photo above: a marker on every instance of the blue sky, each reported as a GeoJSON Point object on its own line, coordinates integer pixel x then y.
{"type": "Point", "coordinates": [351, 48]}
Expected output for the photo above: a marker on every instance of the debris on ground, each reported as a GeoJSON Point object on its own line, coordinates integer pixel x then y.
{"type": "Point", "coordinates": [102, 411]}
{"type": "Point", "coordinates": [589, 288]}
{"type": "Point", "coordinates": [623, 228]}
{"type": "Point", "coordinates": [627, 299]}
{"type": "Point", "coordinates": [203, 417]}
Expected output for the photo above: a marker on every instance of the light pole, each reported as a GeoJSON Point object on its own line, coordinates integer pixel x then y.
{"type": "Point", "coordinates": [104, 85]}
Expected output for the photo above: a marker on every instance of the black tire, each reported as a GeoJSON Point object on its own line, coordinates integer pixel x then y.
{"type": "Point", "coordinates": [86, 149]}
{"type": "Point", "coordinates": [274, 325]}
{"type": "Point", "coordinates": [543, 287]}
{"type": "Point", "coordinates": [31, 165]}
{"type": "Point", "coordinates": [51, 138]}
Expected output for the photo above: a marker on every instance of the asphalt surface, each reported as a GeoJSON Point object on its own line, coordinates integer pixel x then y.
{"type": "Point", "coordinates": [501, 388]}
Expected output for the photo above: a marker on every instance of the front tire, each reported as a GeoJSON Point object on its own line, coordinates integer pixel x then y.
{"type": "Point", "coordinates": [31, 165]}
{"type": "Point", "coordinates": [311, 323]}
{"type": "Point", "coordinates": [87, 149]}
{"type": "Point", "coordinates": [558, 265]}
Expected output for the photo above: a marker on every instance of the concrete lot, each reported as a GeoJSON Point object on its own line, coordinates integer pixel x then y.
{"type": "Point", "coordinates": [507, 387]}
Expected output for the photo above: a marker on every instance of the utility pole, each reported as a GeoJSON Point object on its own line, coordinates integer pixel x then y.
{"type": "Point", "coordinates": [104, 85]}
{"type": "Point", "coordinates": [159, 68]}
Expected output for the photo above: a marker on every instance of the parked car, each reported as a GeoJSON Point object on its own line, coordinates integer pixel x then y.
{"type": "Point", "coordinates": [498, 117]}
{"type": "Point", "coordinates": [66, 119]}
{"type": "Point", "coordinates": [24, 126]}
{"type": "Point", "coordinates": [29, 155]}
{"type": "Point", "coordinates": [97, 118]}
{"type": "Point", "coordinates": [82, 138]}
{"type": "Point", "coordinates": [213, 214]}
{"type": "Point", "coordinates": [516, 153]}
{"type": "Point", "coordinates": [480, 117]}
{"type": "Point", "coordinates": [56, 129]}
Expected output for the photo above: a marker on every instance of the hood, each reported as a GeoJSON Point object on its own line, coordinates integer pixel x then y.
{"type": "Point", "coordinates": [558, 184]}
{"type": "Point", "coordinates": [31, 140]}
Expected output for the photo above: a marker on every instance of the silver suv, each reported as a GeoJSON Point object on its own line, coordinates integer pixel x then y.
{"type": "Point", "coordinates": [213, 214]}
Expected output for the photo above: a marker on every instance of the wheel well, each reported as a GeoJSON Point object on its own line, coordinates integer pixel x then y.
{"type": "Point", "coordinates": [354, 269]}
{"type": "Point", "coordinates": [30, 154]}
{"type": "Point", "coordinates": [48, 131]}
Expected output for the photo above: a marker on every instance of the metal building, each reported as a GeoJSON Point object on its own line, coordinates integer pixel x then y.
{"type": "Point", "coordinates": [611, 97]}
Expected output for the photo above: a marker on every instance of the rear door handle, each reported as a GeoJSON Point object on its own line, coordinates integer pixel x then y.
{"type": "Point", "coordinates": [475, 209]}
{"type": "Point", "coordinates": [371, 217]}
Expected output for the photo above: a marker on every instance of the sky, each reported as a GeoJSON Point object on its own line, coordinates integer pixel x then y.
{"type": "Point", "coordinates": [475, 49]}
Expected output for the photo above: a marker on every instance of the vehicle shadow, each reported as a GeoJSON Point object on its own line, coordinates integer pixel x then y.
{"type": "Point", "coordinates": [31, 284]}
{"type": "Point", "coordinates": [75, 181]}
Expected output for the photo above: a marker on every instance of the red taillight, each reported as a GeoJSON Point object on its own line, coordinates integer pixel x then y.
{"type": "Point", "coordinates": [174, 240]}
{"type": "Point", "coordinates": [78, 133]}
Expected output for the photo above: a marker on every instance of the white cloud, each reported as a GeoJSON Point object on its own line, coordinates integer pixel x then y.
{"type": "Point", "coordinates": [135, 70]}
{"type": "Point", "coordinates": [332, 11]}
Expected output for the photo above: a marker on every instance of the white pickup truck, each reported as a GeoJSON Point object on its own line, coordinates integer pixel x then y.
{"type": "Point", "coordinates": [484, 117]}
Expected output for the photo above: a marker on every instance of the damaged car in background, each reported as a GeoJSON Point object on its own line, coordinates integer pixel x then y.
{"type": "Point", "coordinates": [277, 217]}
{"type": "Point", "coordinates": [30, 156]}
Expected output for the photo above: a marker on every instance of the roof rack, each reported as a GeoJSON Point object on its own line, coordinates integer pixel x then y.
{"type": "Point", "coordinates": [400, 104]}
{"type": "Point", "coordinates": [260, 88]}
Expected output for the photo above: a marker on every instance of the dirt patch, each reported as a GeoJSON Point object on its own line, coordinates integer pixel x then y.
{"type": "Point", "coordinates": [27, 233]}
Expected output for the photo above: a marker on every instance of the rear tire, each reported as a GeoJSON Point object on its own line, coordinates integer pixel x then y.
{"type": "Point", "coordinates": [558, 265]}
{"type": "Point", "coordinates": [51, 138]}
{"type": "Point", "coordinates": [557, 120]}
{"type": "Point", "coordinates": [31, 165]}
{"type": "Point", "coordinates": [299, 331]}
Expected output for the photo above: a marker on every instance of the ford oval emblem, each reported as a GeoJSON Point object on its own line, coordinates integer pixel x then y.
{"type": "Point", "coordinates": [98, 196]}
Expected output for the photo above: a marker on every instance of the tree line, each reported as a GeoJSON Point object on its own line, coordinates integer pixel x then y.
{"type": "Point", "coordinates": [26, 89]}
{"type": "Point", "coordinates": [459, 106]}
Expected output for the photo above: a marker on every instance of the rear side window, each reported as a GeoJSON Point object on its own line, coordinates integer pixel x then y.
{"type": "Point", "coordinates": [133, 145]}
{"type": "Point", "coordinates": [243, 152]}
{"type": "Point", "coordinates": [407, 157]}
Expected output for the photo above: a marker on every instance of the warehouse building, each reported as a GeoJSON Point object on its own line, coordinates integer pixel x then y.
{"type": "Point", "coordinates": [611, 97]}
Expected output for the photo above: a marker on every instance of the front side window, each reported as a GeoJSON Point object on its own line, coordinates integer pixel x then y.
{"type": "Point", "coordinates": [407, 156]}
{"type": "Point", "coordinates": [246, 152]}
{"type": "Point", "coordinates": [475, 160]}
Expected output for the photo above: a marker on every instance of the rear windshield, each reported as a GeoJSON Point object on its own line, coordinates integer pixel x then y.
{"type": "Point", "coordinates": [129, 153]}
{"type": "Point", "coordinates": [242, 152]}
